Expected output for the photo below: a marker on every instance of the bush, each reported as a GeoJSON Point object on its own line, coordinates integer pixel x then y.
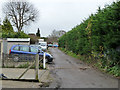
{"type": "Point", "coordinates": [14, 35]}
{"type": "Point", "coordinates": [97, 37]}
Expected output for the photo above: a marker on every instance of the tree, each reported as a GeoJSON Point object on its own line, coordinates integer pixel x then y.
{"type": "Point", "coordinates": [38, 33]}
{"type": "Point", "coordinates": [7, 27]}
{"type": "Point", "coordinates": [20, 13]}
{"type": "Point", "coordinates": [97, 37]}
{"type": "Point", "coordinates": [55, 35]}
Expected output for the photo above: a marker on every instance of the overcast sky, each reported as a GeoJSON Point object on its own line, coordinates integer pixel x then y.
{"type": "Point", "coordinates": [61, 14]}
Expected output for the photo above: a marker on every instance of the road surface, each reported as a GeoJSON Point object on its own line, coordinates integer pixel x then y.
{"type": "Point", "coordinates": [68, 72]}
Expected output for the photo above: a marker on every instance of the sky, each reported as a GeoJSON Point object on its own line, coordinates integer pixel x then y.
{"type": "Point", "coordinates": [60, 14]}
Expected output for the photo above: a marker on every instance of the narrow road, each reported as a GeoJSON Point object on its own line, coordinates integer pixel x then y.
{"type": "Point", "coordinates": [68, 72]}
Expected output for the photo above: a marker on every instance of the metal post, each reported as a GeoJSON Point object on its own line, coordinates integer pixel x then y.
{"type": "Point", "coordinates": [44, 60]}
{"type": "Point", "coordinates": [37, 66]}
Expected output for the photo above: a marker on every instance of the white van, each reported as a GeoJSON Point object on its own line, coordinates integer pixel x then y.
{"type": "Point", "coordinates": [43, 45]}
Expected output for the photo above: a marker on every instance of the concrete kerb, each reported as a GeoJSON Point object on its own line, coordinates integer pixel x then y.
{"type": "Point", "coordinates": [44, 76]}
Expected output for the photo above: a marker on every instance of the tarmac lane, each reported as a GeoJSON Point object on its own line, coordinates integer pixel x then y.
{"type": "Point", "coordinates": [68, 72]}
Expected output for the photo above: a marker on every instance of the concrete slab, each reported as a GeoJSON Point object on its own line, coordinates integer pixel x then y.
{"type": "Point", "coordinates": [16, 72]}
{"type": "Point", "coordinates": [19, 84]}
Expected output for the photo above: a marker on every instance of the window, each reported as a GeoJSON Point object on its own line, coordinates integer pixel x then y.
{"type": "Point", "coordinates": [24, 48]}
{"type": "Point", "coordinates": [34, 49]}
{"type": "Point", "coordinates": [16, 48]}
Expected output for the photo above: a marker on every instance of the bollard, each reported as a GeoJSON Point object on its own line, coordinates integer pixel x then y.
{"type": "Point", "coordinates": [37, 66]}
{"type": "Point", "coordinates": [44, 61]}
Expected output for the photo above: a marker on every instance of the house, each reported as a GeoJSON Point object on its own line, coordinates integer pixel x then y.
{"type": "Point", "coordinates": [33, 38]}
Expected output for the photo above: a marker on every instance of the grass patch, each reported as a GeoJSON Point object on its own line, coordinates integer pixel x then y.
{"type": "Point", "coordinates": [12, 66]}
{"type": "Point", "coordinates": [26, 65]}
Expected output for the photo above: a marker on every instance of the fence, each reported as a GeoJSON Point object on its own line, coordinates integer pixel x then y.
{"type": "Point", "coordinates": [17, 60]}
{"type": "Point", "coordinates": [23, 61]}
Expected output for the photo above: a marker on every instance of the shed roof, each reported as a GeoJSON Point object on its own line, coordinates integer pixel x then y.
{"type": "Point", "coordinates": [18, 39]}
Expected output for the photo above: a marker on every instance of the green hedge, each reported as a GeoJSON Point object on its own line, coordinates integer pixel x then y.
{"type": "Point", "coordinates": [14, 35]}
{"type": "Point", "coordinates": [98, 36]}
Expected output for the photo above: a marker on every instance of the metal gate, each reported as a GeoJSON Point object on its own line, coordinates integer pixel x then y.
{"type": "Point", "coordinates": [20, 66]}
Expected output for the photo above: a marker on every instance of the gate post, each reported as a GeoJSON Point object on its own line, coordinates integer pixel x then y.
{"type": "Point", "coordinates": [44, 61]}
{"type": "Point", "coordinates": [37, 67]}
{"type": "Point", "coordinates": [3, 59]}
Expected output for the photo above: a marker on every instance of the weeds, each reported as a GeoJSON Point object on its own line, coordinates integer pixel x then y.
{"type": "Point", "coordinates": [25, 65]}
{"type": "Point", "coordinates": [101, 63]}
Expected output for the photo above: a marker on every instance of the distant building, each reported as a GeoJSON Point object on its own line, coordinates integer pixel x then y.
{"type": "Point", "coordinates": [40, 40]}
{"type": "Point", "coordinates": [32, 35]}
{"type": "Point", "coordinates": [33, 38]}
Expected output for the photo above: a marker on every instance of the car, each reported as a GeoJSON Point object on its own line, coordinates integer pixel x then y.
{"type": "Point", "coordinates": [43, 45]}
{"type": "Point", "coordinates": [55, 45]}
{"type": "Point", "coordinates": [50, 45]}
{"type": "Point", "coordinates": [17, 50]}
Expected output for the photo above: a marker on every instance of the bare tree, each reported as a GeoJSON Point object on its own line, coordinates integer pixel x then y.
{"type": "Point", "coordinates": [55, 35]}
{"type": "Point", "coordinates": [20, 13]}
